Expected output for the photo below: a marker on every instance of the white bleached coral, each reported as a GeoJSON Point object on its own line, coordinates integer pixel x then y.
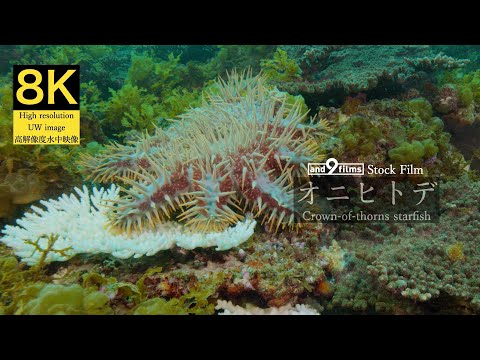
{"type": "Point", "coordinates": [80, 223]}
{"type": "Point", "coordinates": [230, 309]}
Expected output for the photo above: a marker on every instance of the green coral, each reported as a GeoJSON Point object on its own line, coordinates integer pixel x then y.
{"type": "Point", "coordinates": [383, 132]}
{"type": "Point", "coordinates": [231, 57]}
{"type": "Point", "coordinates": [467, 84]}
{"type": "Point", "coordinates": [131, 107]}
{"type": "Point", "coordinates": [416, 268]}
{"type": "Point", "coordinates": [459, 97]}
{"type": "Point", "coordinates": [160, 306]}
{"type": "Point", "coordinates": [359, 292]}
{"type": "Point", "coordinates": [98, 294]}
{"type": "Point", "coordinates": [194, 302]}
{"type": "Point", "coordinates": [420, 107]}
{"type": "Point", "coordinates": [281, 67]}
{"type": "Point", "coordinates": [414, 152]}
{"type": "Point", "coordinates": [54, 299]}
{"type": "Point", "coordinates": [152, 92]}
{"type": "Point", "coordinates": [414, 262]}
{"type": "Point", "coordinates": [360, 136]}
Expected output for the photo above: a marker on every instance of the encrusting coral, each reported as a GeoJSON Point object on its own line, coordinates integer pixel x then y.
{"type": "Point", "coordinates": [236, 154]}
{"type": "Point", "coordinates": [331, 72]}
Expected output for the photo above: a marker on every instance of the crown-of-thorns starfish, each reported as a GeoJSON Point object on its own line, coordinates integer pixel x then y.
{"type": "Point", "coordinates": [236, 154]}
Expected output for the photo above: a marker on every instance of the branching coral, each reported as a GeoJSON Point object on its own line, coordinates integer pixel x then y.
{"type": "Point", "coordinates": [66, 217]}
{"type": "Point", "coordinates": [227, 308]}
{"type": "Point", "coordinates": [239, 151]}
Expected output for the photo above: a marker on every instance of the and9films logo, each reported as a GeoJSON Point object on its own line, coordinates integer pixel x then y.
{"type": "Point", "coordinates": [333, 167]}
{"type": "Point", "coordinates": [46, 104]}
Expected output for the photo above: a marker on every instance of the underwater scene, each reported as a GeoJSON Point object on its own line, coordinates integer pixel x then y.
{"type": "Point", "coordinates": [240, 180]}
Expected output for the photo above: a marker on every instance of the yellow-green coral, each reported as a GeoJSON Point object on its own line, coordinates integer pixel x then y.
{"type": "Point", "coordinates": [459, 97]}
{"type": "Point", "coordinates": [152, 92]}
{"type": "Point", "coordinates": [54, 299]}
{"type": "Point", "coordinates": [360, 136]}
{"type": "Point", "coordinates": [14, 278]}
{"type": "Point", "coordinates": [420, 107]}
{"type": "Point", "coordinates": [281, 67]}
{"type": "Point", "coordinates": [468, 85]}
{"type": "Point", "coordinates": [97, 294]}
{"type": "Point", "coordinates": [392, 131]}
{"type": "Point", "coordinates": [131, 108]}
{"type": "Point", "coordinates": [195, 301]}
{"type": "Point", "coordinates": [455, 252]}
{"type": "Point", "coordinates": [414, 152]}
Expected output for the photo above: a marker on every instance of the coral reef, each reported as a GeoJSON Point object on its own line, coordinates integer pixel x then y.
{"type": "Point", "coordinates": [383, 132]}
{"type": "Point", "coordinates": [281, 68]}
{"type": "Point", "coordinates": [84, 291]}
{"type": "Point", "coordinates": [188, 165]}
{"type": "Point", "coordinates": [52, 299]}
{"type": "Point", "coordinates": [153, 91]}
{"type": "Point", "coordinates": [233, 57]}
{"type": "Point", "coordinates": [433, 262]}
{"type": "Point", "coordinates": [458, 98]}
{"type": "Point", "coordinates": [470, 52]}
{"type": "Point", "coordinates": [455, 96]}
{"type": "Point", "coordinates": [282, 269]}
{"type": "Point", "coordinates": [332, 72]}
